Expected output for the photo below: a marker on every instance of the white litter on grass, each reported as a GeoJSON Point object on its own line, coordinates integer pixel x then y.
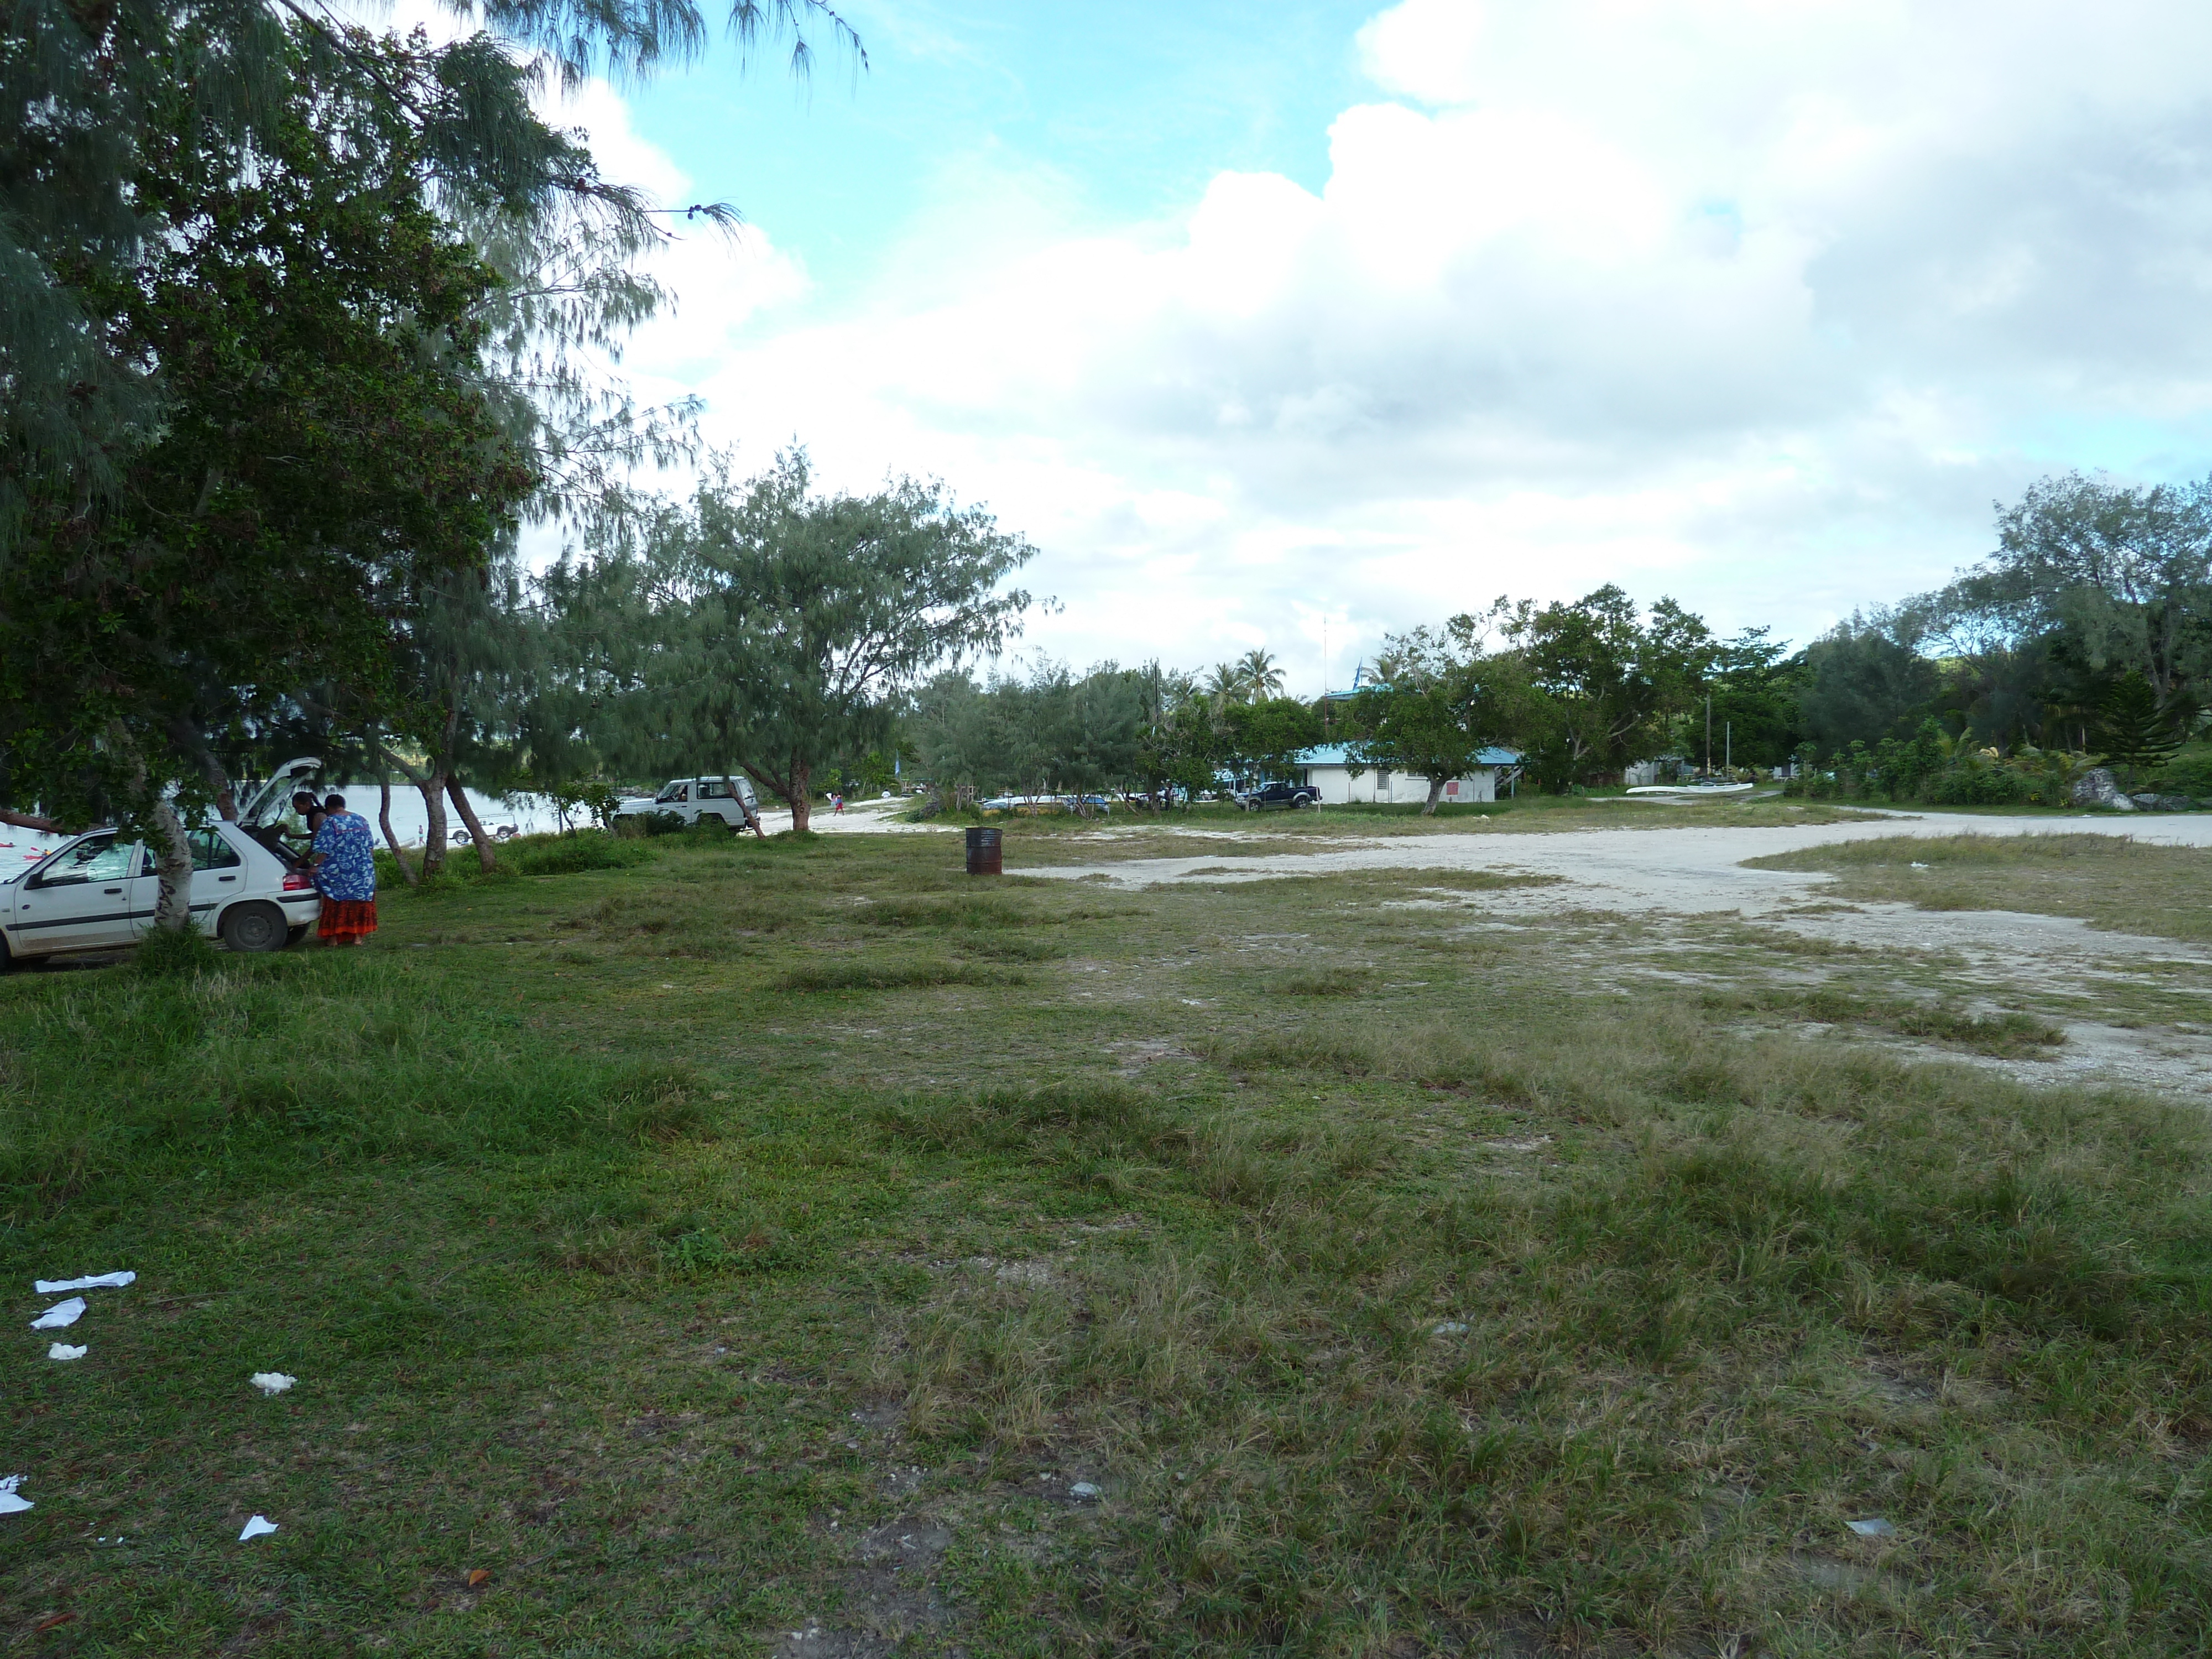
{"type": "Point", "coordinates": [1083, 1489]}
{"type": "Point", "coordinates": [271, 1381]}
{"type": "Point", "coordinates": [1450, 1327]}
{"type": "Point", "coordinates": [91, 1282]}
{"type": "Point", "coordinates": [10, 1502]}
{"type": "Point", "coordinates": [60, 1315]}
{"type": "Point", "coordinates": [63, 1351]}
{"type": "Point", "coordinates": [1876, 1528]}
{"type": "Point", "coordinates": [261, 1526]}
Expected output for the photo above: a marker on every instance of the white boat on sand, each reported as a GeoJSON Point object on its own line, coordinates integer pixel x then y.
{"type": "Point", "coordinates": [1701, 791]}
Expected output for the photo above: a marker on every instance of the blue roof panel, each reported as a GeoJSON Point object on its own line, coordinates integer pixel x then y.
{"type": "Point", "coordinates": [1336, 754]}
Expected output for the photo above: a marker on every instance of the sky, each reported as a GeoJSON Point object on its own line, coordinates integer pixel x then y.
{"type": "Point", "coordinates": [1291, 325]}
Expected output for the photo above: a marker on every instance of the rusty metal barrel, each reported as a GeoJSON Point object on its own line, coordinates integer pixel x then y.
{"type": "Point", "coordinates": [983, 852]}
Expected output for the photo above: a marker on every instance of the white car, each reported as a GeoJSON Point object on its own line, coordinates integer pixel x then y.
{"type": "Point", "coordinates": [96, 891]}
{"type": "Point", "coordinates": [693, 799]}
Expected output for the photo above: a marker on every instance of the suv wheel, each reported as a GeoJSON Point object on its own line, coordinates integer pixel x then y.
{"type": "Point", "coordinates": [256, 926]}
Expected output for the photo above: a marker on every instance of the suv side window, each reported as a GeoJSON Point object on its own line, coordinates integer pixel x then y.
{"type": "Point", "coordinates": [98, 858]}
{"type": "Point", "coordinates": [712, 790]}
{"type": "Point", "coordinates": [211, 852]}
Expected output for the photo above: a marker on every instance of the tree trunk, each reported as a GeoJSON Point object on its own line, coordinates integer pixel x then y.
{"type": "Point", "coordinates": [485, 861]}
{"type": "Point", "coordinates": [433, 835]}
{"type": "Point", "coordinates": [186, 733]}
{"type": "Point", "coordinates": [384, 816]}
{"type": "Point", "coordinates": [752, 818]}
{"type": "Point", "coordinates": [172, 853]}
{"type": "Point", "coordinates": [1436, 794]}
{"type": "Point", "coordinates": [801, 804]}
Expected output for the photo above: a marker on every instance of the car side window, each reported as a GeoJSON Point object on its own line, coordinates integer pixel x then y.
{"type": "Point", "coordinates": [211, 852]}
{"type": "Point", "coordinates": [673, 792]}
{"type": "Point", "coordinates": [711, 791]}
{"type": "Point", "coordinates": [95, 859]}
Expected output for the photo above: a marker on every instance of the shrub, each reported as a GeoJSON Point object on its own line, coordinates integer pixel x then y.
{"type": "Point", "coordinates": [568, 856]}
{"type": "Point", "coordinates": [167, 952]}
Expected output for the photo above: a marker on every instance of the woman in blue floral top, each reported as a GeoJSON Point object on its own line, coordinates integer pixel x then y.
{"type": "Point", "coordinates": [344, 865]}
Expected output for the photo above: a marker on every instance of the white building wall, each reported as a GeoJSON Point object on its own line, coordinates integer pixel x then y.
{"type": "Point", "coordinates": [1338, 786]}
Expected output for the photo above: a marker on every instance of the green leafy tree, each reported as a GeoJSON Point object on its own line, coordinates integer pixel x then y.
{"type": "Point", "coordinates": [1265, 737]}
{"type": "Point", "coordinates": [1867, 679]}
{"type": "Point", "coordinates": [86, 96]}
{"type": "Point", "coordinates": [805, 619]}
{"type": "Point", "coordinates": [1186, 743]}
{"type": "Point", "coordinates": [1755, 686]}
{"type": "Point", "coordinates": [326, 447]}
{"type": "Point", "coordinates": [2126, 572]}
{"type": "Point", "coordinates": [1610, 681]}
{"type": "Point", "coordinates": [1439, 701]}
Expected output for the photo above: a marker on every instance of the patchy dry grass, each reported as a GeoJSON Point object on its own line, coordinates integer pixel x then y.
{"type": "Point", "coordinates": [2111, 881]}
{"type": "Point", "coordinates": [786, 1238]}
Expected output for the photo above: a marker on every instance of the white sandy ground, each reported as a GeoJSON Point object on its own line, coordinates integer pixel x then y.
{"type": "Point", "coordinates": [1698, 871]}
{"type": "Point", "coordinates": [864, 818]}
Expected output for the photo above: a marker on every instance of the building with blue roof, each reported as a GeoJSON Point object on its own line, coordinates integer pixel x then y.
{"type": "Point", "coordinates": [1341, 781]}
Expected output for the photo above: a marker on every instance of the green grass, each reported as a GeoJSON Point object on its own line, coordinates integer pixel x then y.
{"type": "Point", "coordinates": [2111, 881]}
{"type": "Point", "coordinates": [2007, 1032]}
{"type": "Point", "coordinates": [672, 1242]}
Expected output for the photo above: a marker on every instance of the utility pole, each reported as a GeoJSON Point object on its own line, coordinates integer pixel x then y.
{"type": "Point", "coordinates": [1727, 735]}
{"type": "Point", "coordinates": [1709, 734]}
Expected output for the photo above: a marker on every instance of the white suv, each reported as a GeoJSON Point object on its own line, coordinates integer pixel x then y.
{"type": "Point", "coordinates": [693, 799]}
{"type": "Point", "coordinates": [97, 891]}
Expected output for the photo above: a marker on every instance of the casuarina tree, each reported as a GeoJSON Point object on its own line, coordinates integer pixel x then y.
{"type": "Point", "coordinates": [782, 627]}
{"type": "Point", "coordinates": [83, 91]}
{"type": "Point", "coordinates": [324, 445]}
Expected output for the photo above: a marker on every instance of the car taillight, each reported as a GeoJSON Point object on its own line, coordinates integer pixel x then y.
{"type": "Point", "coordinates": [296, 883]}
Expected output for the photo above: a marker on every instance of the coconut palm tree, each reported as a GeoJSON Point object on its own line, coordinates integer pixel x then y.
{"type": "Point", "coordinates": [1226, 684]}
{"type": "Point", "coordinates": [1262, 676]}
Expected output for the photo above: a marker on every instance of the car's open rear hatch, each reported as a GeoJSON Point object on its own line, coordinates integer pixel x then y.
{"type": "Point", "coordinates": [268, 802]}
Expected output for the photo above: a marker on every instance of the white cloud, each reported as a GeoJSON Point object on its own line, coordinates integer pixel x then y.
{"type": "Point", "coordinates": [1757, 303]}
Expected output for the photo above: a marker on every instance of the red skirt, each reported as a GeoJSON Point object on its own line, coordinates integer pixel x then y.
{"type": "Point", "coordinates": [348, 918]}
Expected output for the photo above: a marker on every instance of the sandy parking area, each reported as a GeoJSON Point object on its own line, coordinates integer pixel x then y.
{"type": "Point", "coordinates": [1685, 871]}
{"type": "Point", "coordinates": [1698, 873]}
{"type": "Point", "coordinates": [864, 818]}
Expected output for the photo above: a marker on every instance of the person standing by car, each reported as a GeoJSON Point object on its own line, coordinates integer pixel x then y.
{"type": "Point", "coordinates": [306, 817]}
{"type": "Point", "coordinates": [344, 866]}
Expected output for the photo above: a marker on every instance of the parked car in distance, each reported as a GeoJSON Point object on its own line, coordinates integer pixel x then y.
{"type": "Point", "coordinates": [693, 799]}
{"type": "Point", "coordinates": [1277, 795]}
{"type": "Point", "coordinates": [1023, 804]}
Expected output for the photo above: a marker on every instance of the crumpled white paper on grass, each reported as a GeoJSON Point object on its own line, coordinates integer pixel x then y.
{"type": "Point", "coordinates": [91, 1282]}
{"type": "Point", "coordinates": [259, 1527]}
{"type": "Point", "coordinates": [61, 1313]}
{"type": "Point", "coordinates": [63, 1351]}
{"type": "Point", "coordinates": [10, 1503]}
{"type": "Point", "coordinates": [271, 1381]}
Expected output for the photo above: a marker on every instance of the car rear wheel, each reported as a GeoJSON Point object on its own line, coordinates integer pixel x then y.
{"type": "Point", "coordinates": [256, 926]}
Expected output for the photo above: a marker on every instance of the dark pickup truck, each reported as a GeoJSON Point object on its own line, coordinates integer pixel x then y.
{"type": "Point", "coordinates": [1278, 794]}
